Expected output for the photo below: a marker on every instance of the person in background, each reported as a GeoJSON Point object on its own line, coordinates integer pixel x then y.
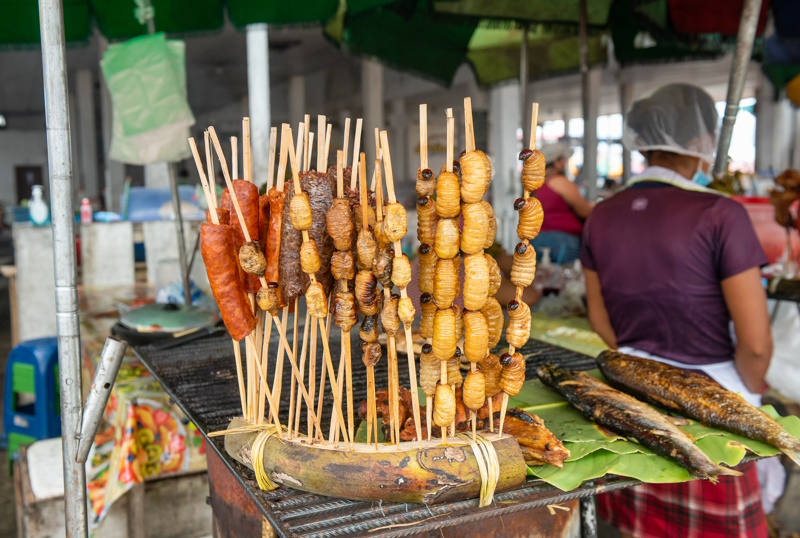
{"type": "Point", "coordinates": [668, 265]}
{"type": "Point", "coordinates": [564, 208]}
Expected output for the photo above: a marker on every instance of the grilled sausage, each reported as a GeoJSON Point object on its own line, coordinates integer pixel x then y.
{"type": "Point", "coordinates": [216, 247]}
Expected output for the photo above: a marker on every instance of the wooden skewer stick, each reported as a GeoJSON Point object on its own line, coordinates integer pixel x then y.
{"type": "Point", "coordinates": [235, 157]}
{"type": "Point", "coordinates": [327, 356]}
{"type": "Point", "coordinates": [320, 142]}
{"type": "Point", "coordinates": [328, 130]}
{"type": "Point", "coordinates": [299, 155]}
{"type": "Point", "coordinates": [246, 150]}
{"type": "Point", "coordinates": [443, 366]}
{"type": "Point", "coordinates": [346, 335]}
{"type": "Point", "coordinates": [423, 164]}
{"type": "Point", "coordinates": [360, 172]}
{"type": "Point", "coordinates": [469, 130]}
{"type": "Point", "coordinates": [304, 348]}
{"type": "Point", "coordinates": [346, 142]}
{"type": "Point", "coordinates": [356, 151]}
{"type": "Point", "coordinates": [237, 357]}
{"type": "Point", "coordinates": [254, 382]}
{"type": "Point", "coordinates": [296, 372]}
{"type": "Point", "coordinates": [250, 341]}
{"type": "Point", "coordinates": [412, 372]}
{"type": "Point", "coordinates": [340, 375]}
{"type": "Point", "coordinates": [308, 141]}
{"type": "Point", "coordinates": [391, 343]}
{"type": "Point", "coordinates": [212, 182]}
{"type": "Point", "coordinates": [378, 156]}
{"type": "Point", "coordinates": [325, 334]}
{"type": "Point", "coordinates": [534, 122]}
{"type": "Point", "coordinates": [449, 168]}
{"type": "Point", "coordinates": [310, 151]}
{"type": "Point", "coordinates": [491, 416]}
{"type": "Point", "coordinates": [312, 373]}
{"type": "Point", "coordinates": [423, 136]}
{"type": "Point", "coordinates": [273, 142]}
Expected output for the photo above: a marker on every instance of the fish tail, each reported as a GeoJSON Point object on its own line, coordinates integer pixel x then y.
{"type": "Point", "coordinates": [726, 471]}
{"type": "Point", "coordinates": [793, 453]}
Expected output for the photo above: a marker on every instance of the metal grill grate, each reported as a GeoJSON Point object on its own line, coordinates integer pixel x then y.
{"type": "Point", "coordinates": [201, 378]}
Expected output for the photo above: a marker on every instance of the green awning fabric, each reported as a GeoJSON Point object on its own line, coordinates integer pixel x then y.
{"type": "Point", "coordinates": [116, 18]}
{"type": "Point", "coordinates": [494, 53]}
{"type": "Point", "coordinates": [19, 23]}
{"type": "Point", "coordinates": [413, 43]}
{"type": "Point", "coordinates": [534, 11]}
{"type": "Point", "coordinates": [244, 12]}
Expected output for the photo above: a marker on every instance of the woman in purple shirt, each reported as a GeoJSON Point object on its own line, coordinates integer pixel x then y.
{"type": "Point", "coordinates": [669, 265]}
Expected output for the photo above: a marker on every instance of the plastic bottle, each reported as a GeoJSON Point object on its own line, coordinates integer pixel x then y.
{"type": "Point", "coordinates": [39, 212]}
{"type": "Point", "coordinates": [86, 211]}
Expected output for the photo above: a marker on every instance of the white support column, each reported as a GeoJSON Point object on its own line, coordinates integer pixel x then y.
{"type": "Point", "coordinates": [398, 141]}
{"type": "Point", "coordinates": [258, 92]}
{"type": "Point", "coordinates": [372, 96]}
{"type": "Point", "coordinates": [114, 170]}
{"type": "Point", "coordinates": [156, 175]}
{"type": "Point", "coordinates": [87, 131]}
{"type": "Point", "coordinates": [297, 100]}
{"type": "Point", "coordinates": [783, 132]}
{"type": "Point", "coordinates": [589, 172]}
{"type": "Point", "coordinates": [77, 174]}
{"type": "Point", "coordinates": [625, 101]}
{"type": "Point", "coordinates": [504, 122]}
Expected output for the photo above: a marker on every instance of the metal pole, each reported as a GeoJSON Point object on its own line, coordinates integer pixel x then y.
{"type": "Point", "coordinates": [523, 85]}
{"type": "Point", "coordinates": [104, 377]}
{"type": "Point", "coordinates": [741, 59]}
{"type": "Point", "coordinates": [59, 160]}
{"type": "Point", "coordinates": [589, 170]}
{"type": "Point", "coordinates": [176, 207]}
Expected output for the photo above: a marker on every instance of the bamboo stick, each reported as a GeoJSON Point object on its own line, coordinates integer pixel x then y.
{"type": "Point", "coordinates": [534, 122]}
{"type": "Point", "coordinates": [307, 140]}
{"type": "Point", "coordinates": [423, 136]}
{"type": "Point", "coordinates": [356, 151]}
{"type": "Point", "coordinates": [325, 334]}
{"type": "Point", "coordinates": [302, 364]}
{"type": "Point", "coordinates": [469, 131]}
{"type": "Point", "coordinates": [412, 373]}
{"type": "Point", "coordinates": [210, 164]}
{"type": "Point", "coordinates": [320, 142]}
{"type": "Point", "coordinates": [328, 130]}
{"type": "Point", "coordinates": [235, 157]}
{"type": "Point", "coordinates": [237, 357]}
{"type": "Point", "coordinates": [307, 166]}
{"type": "Point", "coordinates": [273, 142]}
{"type": "Point", "coordinates": [346, 142]}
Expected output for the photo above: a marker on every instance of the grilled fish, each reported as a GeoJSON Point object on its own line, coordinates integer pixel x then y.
{"type": "Point", "coordinates": [538, 444]}
{"type": "Point", "coordinates": [695, 395]}
{"type": "Point", "coordinates": [628, 416]}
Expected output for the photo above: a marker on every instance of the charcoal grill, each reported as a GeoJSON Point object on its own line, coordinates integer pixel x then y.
{"type": "Point", "coordinates": [200, 377]}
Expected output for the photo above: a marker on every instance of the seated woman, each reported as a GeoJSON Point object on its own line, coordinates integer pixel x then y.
{"type": "Point", "coordinates": [564, 208]}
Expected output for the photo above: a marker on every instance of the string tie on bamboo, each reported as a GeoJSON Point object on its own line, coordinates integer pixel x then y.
{"type": "Point", "coordinates": [488, 466]}
{"type": "Point", "coordinates": [257, 450]}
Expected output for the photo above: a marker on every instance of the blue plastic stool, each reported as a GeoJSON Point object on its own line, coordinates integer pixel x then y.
{"type": "Point", "coordinates": [31, 400]}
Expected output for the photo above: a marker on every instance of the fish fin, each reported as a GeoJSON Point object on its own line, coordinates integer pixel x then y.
{"type": "Point", "coordinates": [793, 454]}
{"type": "Point", "coordinates": [726, 471]}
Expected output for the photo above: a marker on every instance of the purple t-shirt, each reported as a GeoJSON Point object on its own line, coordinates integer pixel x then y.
{"type": "Point", "coordinates": [660, 253]}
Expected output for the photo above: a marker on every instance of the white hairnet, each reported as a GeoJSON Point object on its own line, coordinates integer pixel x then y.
{"type": "Point", "coordinates": [678, 118]}
{"type": "Point", "coordinates": [554, 151]}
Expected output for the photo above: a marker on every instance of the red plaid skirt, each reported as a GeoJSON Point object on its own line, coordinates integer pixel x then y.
{"type": "Point", "coordinates": [696, 509]}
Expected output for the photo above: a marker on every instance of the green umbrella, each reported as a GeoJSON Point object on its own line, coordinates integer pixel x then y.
{"type": "Point", "coordinates": [19, 24]}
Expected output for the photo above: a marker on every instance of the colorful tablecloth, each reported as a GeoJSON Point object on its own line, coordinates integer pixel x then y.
{"type": "Point", "coordinates": [143, 435]}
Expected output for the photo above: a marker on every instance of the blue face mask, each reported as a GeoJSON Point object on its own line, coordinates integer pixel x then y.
{"type": "Point", "coordinates": [700, 177]}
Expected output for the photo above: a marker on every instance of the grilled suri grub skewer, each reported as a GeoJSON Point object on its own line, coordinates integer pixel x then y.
{"type": "Point", "coordinates": [395, 226]}
{"type": "Point", "coordinates": [524, 266]}
{"type": "Point", "coordinates": [340, 228]}
{"type": "Point", "coordinates": [476, 174]}
{"type": "Point", "coordinates": [301, 219]}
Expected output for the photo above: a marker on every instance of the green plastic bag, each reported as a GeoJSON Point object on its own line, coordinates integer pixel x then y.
{"type": "Point", "coordinates": [146, 78]}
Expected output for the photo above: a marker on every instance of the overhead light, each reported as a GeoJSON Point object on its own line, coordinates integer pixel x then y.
{"type": "Point", "coordinates": [3, 124]}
